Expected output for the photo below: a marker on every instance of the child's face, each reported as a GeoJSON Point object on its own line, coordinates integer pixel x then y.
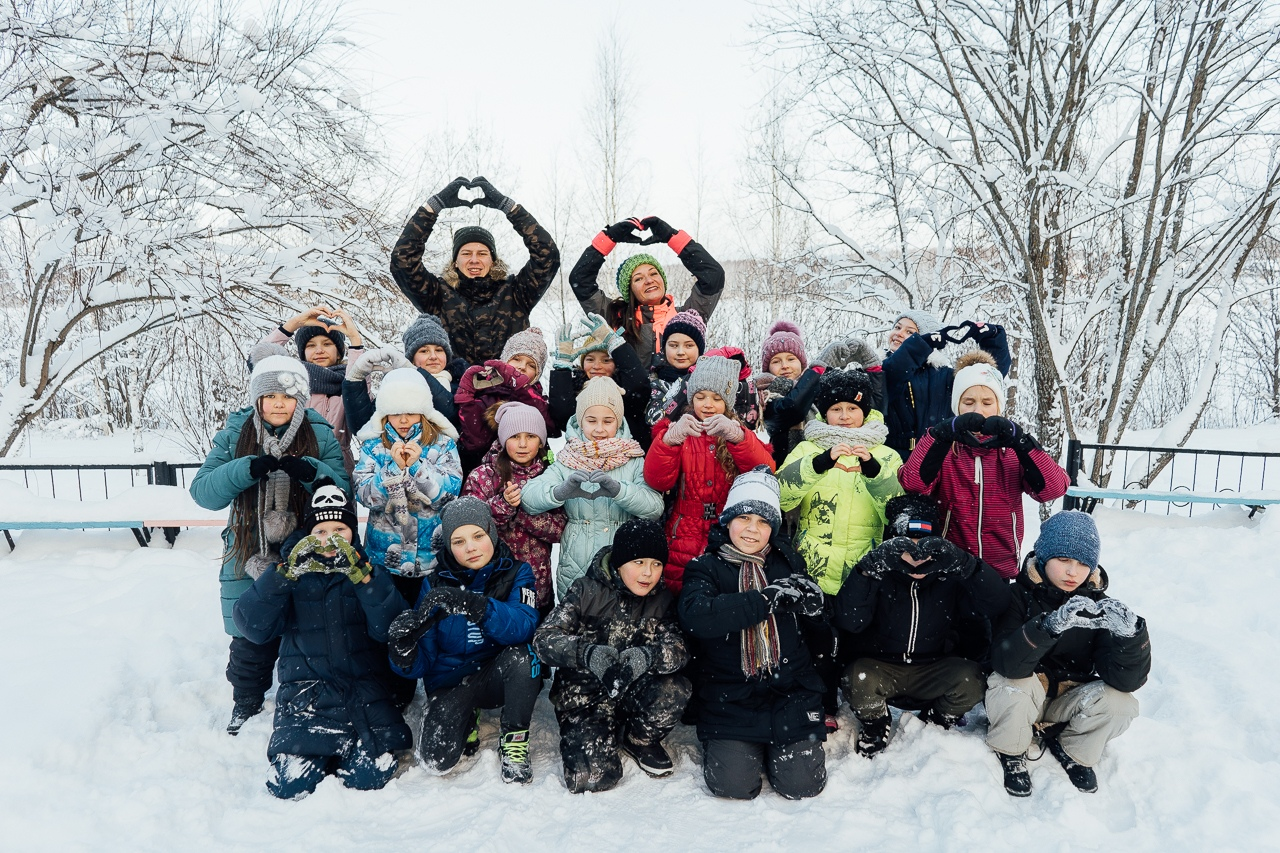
{"type": "Point", "coordinates": [901, 331]}
{"type": "Point", "coordinates": [786, 365]}
{"type": "Point", "coordinates": [523, 447]}
{"type": "Point", "coordinates": [526, 365]}
{"type": "Point", "coordinates": [1065, 573]}
{"type": "Point", "coordinates": [641, 576]}
{"type": "Point", "coordinates": [749, 533]}
{"type": "Point", "coordinates": [325, 529]}
{"type": "Point", "coordinates": [681, 351]}
{"type": "Point", "coordinates": [845, 415]}
{"type": "Point", "coordinates": [471, 546]}
{"type": "Point", "coordinates": [647, 285]}
{"type": "Point", "coordinates": [707, 403]}
{"type": "Point", "coordinates": [402, 423]}
{"type": "Point", "coordinates": [277, 409]}
{"type": "Point", "coordinates": [598, 363]}
{"type": "Point", "coordinates": [599, 423]}
{"type": "Point", "coordinates": [980, 399]}
{"type": "Point", "coordinates": [430, 358]}
{"type": "Point", "coordinates": [322, 351]}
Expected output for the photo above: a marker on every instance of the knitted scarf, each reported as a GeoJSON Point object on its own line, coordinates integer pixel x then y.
{"type": "Point", "coordinates": [827, 436]}
{"type": "Point", "coordinates": [326, 380]}
{"type": "Point", "coordinates": [275, 520]}
{"type": "Point", "coordinates": [581, 455]}
{"type": "Point", "coordinates": [761, 649]}
{"type": "Point", "coordinates": [662, 314]}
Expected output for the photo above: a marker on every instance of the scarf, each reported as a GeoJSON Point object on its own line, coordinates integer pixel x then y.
{"type": "Point", "coordinates": [662, 314]}
{"type": "Point", "coordinates": [445, 378]}
{"type": "Point", "coordinates": [275, 520]}
{"type": "Point", "coordinates": [827, 436]}
{"type": "Point", "coordinates": [761, 649]}
{"type": "Point", "coordinates": [326, 380]}
{"type": "Point", "coordinates": [582, 455]}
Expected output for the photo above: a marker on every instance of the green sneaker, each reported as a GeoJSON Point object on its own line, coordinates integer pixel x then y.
{"type": "Point", "coordinates": [473, 739]}
{"type": "Point", "coordinates": [515, 757]}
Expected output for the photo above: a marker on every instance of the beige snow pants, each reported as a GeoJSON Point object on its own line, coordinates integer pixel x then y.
{"type": "Point", "coordinates": [1094, 714]}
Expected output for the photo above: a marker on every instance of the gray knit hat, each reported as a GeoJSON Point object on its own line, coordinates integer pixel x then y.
{"type": "Point", "coordinates": [1072, 534]}
{"type": "Point", "coordinates": [465, 510]}
{"type": "Point", "coordinates": [927, 323]}
{"type": "Point", "coordinates": [756, 491]}
{"type": "Point", "coordinates": [277, 372]}
{"type": "Point", "coordinates": [717, 374]}
{"type": "Point", "coordinates": [529, 342]}
{"type": "Point", "coordinates": [427, 329]}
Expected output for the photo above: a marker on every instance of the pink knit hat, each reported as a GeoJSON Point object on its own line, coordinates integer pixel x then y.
{"type": "Point", "coordinates": [784, 336]}
{"type": "Point", "coordinates": [515, 418]}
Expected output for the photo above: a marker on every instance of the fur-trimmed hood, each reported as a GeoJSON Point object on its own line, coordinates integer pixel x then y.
{"type": "Point", "coordinates": [478, 289]}
{"type": "Point", "coordinates": [1034, 579]}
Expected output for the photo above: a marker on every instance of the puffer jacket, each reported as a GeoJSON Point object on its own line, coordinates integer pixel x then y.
{"type": "Point", "coordinates": [981, 489]}
{"type": "Point", "coordinates": [482, 387]}
{"type": "Point", "coordinates": [599, 609]}
{"type": "Point", "coordinates": [529, 536]}
{"type": "Point", "coordinates": [326, 394]}
{"type": "Point", "coordinates": [700, 487]}
{"type": "Point", "coordinates": [1020, 647]}
{"type": "Point", "coordinates": [784, 706]}
{"type": "Point", "coordinates": [591, 523]}
{"type": "Point", "coordinates": [334, 676]}
{"type": "Point", "coordinates": [841, 512]}
{"type": "Point", "coordinates": [438, 477]}
{"type": "Point", "coordinates": [223, 476]}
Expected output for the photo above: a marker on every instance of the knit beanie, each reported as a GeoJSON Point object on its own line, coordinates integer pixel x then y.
{"type": "Point", "coordinates": [976, 368]}
{"type": "Point", "coordinates": [844, 386]}
{"type": "Point", "coordinates": [629, 266]}
{"type": "Point", "coordinates": [1070, 533]}
{"type": "Point", "coordinates": [465, 510]}
{"type": "Point", "coordinates": [514, 418]}
{"type": "Point", "coordinates": [473, 234]}
{"type": "Point", "coordinates": [756, 491]}
{"type": "Point", "coordinates": [784, 336]}
{"type": "Point", "coordinates": [688, 322]}
{"type": "Point", "coordinates": [277, 373]}
{"type": "Point", "coordinates": [911, 515]}
{"type": "Point", "coordinates": [426, 329]}
{"type": "Point", "coordinates": [714, 373]}
{"type": "Point", "coordinates": [600, 391]}
{"type": "Point", "coordinates": [529, 342]}
{"type": "Point", "coordinates": [306, 333]}
{"type": "Point", "coordinates": [330, 503]}
{"type": "Point", "coordinates": [927, 323]}
{"type": "Point", "coordinates": [638, 539]}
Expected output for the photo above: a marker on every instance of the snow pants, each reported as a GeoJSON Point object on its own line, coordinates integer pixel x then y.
{"type": "Point", "coordinates": [1094, 713]}
{"type": "Point", "coordinates": [952, 686]}
{"type": "Point", "coordinates": [298, 775]}
{"type": "Point", "coordinates": [403, 689]}
{"type": "Point", "coordinates": [589, 735]}
{"type": "Point", "coordinates": [250, 667]}
{"type": "Point", "coordinates": [511, 681]}
{"type": "Point", "coordinates": [732, 768]}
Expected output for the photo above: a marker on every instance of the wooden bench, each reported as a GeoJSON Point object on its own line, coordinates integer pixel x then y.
{"type": "Point", "coordinates": [1090, 495]}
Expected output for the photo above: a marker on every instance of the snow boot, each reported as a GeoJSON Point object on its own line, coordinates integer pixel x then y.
{"type": "Point", "coordinates": [1017, 780]}
{"type": "Point", "coordinates": [946, 721]}
{"type": "Point", "coordinates": [472, 746]}
{"type": "Point", "coordinates": [240, 714]}
{"type": "Point", "coordinates": [874, 735]}
{"type": "Point", "coordinates": [832, 723]}
{"type": "Point", "coordinates": [515, 757]}
{"type": "Point", "coordinates": [1082, 777]}
{"type": "Point", "coordinates": [652, 757]}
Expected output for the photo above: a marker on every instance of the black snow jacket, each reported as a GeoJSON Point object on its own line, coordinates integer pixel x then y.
{"type": "Point", "coordinates": [786, 407]}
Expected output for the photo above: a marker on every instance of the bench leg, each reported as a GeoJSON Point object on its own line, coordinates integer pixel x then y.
{"type": "Point", "coordinates": [171, 535]}
{"type": "Point", "coordinates": [9, 539]}
{"type": "Point", "coordinates": [138, 534]}
{"type": "Point", "coordinates": [1087, 504]}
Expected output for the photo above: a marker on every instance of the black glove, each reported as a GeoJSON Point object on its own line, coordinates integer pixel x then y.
{"type": "Point", "coordinates": [263, 465]}
{"type": "Point", "coordinates": [811, 602]}
{"type": "Point", "coordinates": [298, 468]}
{"type": "Point", "coordinates": [781, 595]}
{"type": "Point", "coordinates": [448, 197]}
{"type": "Point", "coordinates": [662, 232]}
{"type": "Point", "coordinates": [1001, 429]}
{"type": "Point", "coordinates": [624, 231]}
{"type": "Point", "coordinates": [492, 198]}
{"type": "Point", "coordinates": [940, 338]}
{"type": "Point", "coordinates": [1078, 612]}
{"type": "Point", "coordinates": [459, 602]}
{"type": "Point", "coordinates": [957, 426]}
{"type": "Point", "coordinates": [632, 663]}
{"type": "Point", "coordinates": [405, 632]}
{"type": "Point", "coordinates": [946, 558]}
{"type": "Point", "coordinates": [985, 332]}
{"type": "Point", "coordinates": [874, 564]}
{"type": "Point", "coordinates": [598, 659]}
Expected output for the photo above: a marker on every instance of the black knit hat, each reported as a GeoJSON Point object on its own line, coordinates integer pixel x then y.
{"type": "Point", "coordinates": [914, 516]}
{"type": "Point", "coordinates": [473, 234]}
{"type": "Point", "coordinates": [844, 386]}
{"type": "Point", "coordinates": [306, 333]}
{"type": "Point", "coordinates": [330, 503]}
{"type": "Point", "coordinates": [638, 539]}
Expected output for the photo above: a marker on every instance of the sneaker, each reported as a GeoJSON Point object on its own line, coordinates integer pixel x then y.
{"type": "Point", "coordinates": [1017, 781]}
{"type": "Point", "coordinates": [652, 758]}
{"type": "Point", "coordinates": [472, 746]}
{"type": "Point", "coordinates": [515, 757]}
{"type": "Point", "coordinates": [832, 724]}
{"type": "Point", "coordinates": [240, 714]}
{"type": "Point", "coordinates": [874, 736]}
{"type": "Point", "coordinates": [946, 721]}
{"type": "Point", "coordinates": [1082, 777]}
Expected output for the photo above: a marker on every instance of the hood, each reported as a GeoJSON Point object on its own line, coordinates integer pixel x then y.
{"type": "Point", "coordinates": [476, 289]}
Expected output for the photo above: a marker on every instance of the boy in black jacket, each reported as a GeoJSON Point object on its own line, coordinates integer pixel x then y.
{"type": "Point", "coordinates": [1067, 658]}
{"type": "Point", "coordinates": [901, 602]}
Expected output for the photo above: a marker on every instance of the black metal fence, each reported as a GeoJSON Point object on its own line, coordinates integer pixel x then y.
{"type": "Point", "coordinates": [93, 482]}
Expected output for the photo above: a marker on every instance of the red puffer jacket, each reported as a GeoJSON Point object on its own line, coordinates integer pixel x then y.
{"type": "Point", "coordinates": [980, 490]}
{"type": "Point", "coordinates": [701, 489]}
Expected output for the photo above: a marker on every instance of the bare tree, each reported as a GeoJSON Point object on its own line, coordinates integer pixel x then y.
{"type": "Point", "coordinates": [609, 117]}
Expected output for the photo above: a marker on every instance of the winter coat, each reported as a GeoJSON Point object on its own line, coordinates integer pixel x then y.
{"type": "Point", "coordinates": [529, 536]}
{"type": "Point", "coordinates": [438, 477]}
{"type": "Point", "coordinates": [841, 512]}
{"type": "Point", "coordinates": [455, 648]}
{"type": "Point", "coordinates": [785, 407]}
{"type": "Point", "coordinates": [333, 670]}
{"type": "Point", "coordinates": [599, 609]}
{"type": "Point", "coordinates": [1021, 647]}
{"type": "Point", "coordinates": [629, 374]}
{"type": "Point", "coordinates": [326, 395]}
{"type": "Point", "coordinates": [223, 476]}
{"type": "Point", "coordinates": [699, 487]}
{"type": "Point", "coordinates": [666, 391]}
{"type": "Point", "coordinates": [900, 619]}
{"type": "Point", "coordinates": [479, 314]}
{"type": "Point", "coordinates": [981, 489]}
{"type": "Point", "coordinates": [591, 523]}
{"type": "Point", "coordinates": [782, 707]}
{"type": "Point", "coordinates": [360, 406]}
{"type": "Point", "coordinates": [917, 387]}
{"type": "Point", "coordinates": [483, 386]}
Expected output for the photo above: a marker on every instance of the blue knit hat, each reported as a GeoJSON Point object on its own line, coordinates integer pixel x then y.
{"type": "Point", "coordinates": [1070, 534]}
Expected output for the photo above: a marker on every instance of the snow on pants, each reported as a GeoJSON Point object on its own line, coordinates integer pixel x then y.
{"type": "Point", "coordinates": [732, 768]}
{"type": "Point", "coordinates": [951, 685]}
{"type": "Point", "coordinates": [298, 775]}
{"type": "Point", "coordinates": [249, 668]}
{"type": "Point", "coordinates": [589, 735]}
{"type": "Point", "coordinates": [511, 681]}
{"type": "Point", "coordinates": [1094, 713]}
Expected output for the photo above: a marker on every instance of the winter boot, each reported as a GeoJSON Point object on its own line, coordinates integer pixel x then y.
{"type": "Point", "coordinates": [472, 746]}
{"type": "Point", "coordinates": [874, 736]}
{"type": "Point", "coordinates": [1017, 781]}
{"type": "Point", "coordinates": [515, 757]}
{"type": "Point", "coordinates": [241, 712]}
{"type": "Point", "coordinates": [1082, 777]}
{"type": "Point", "coordinates": [652, 758]}
{"type": "Point", "coordinates": [832, 722]}
{"type": "Point", "coordinates": [933, 715]}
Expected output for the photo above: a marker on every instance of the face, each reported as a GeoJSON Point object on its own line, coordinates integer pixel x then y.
{"type": "Point", "coordinates": [325, 529]}
{"type": "Point", "coordinates": [526, 365]}
{"type": "Point", "coordinates": [749, 533]}
{"type": "Point", "coordinates": [277, 409]}
{"type": "Point", "coordinates": [471, 546]}
{"type": "Point", "coordinates": [647, 285]}
{"type": "Point", "coordinates": [707, 403]}
{"type": "Point", "coordinates": [322, 351]}
{"type": "Point", "coordinates": [786, 365]}
{"type": "Point", "coordinates": [845, 415]}
{"type": "Point", "coordinates": [599, 423]}
{"type": "Point", "coordinates": [523, 447]}
{"type": "Point", "coordinates": [681, 351]}
{"type": "Point", "coordinates": [980, 399]}
{"type": "Point", "coordinates": [902, 330]}
{"type": "Point", "coordinates": [474, 260]}
{"type": "Point", "coordinates": [402, 423]}
{"type": "Point", "coordinates": [1065, 573]}
{"type": "Point", "coordinates": [598, 363]}
{"type": "Point", "coordinates": [430, 358]}
{"type": "Point", "coordinates": [641, 576]}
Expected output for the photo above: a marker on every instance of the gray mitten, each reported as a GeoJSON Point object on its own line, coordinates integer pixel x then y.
{"type": "Point", "coordinates": [1118, 619]}
{"type": "Point", "coordinates": [381, 359]}
{"type": "Point", "coordinates": [572, 488]}
{"type": "Point", "coordinates": [687, 427]}
{"type": "Point", "coordinates": [632, 663]}
{"type": "Point", "coordinates": [609, 487]}
{"type": "Point", "coordinates": [1078, 612]}
{"type": "Point", "coordinates": [597, 659]}
{"type": "Point", "coordinates": [721, 426]}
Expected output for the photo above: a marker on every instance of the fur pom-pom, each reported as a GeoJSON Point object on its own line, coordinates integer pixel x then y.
{"type": "Point", "coordinates": [976, 356]}
{"type": "Point", "coordinates": [785, 326]}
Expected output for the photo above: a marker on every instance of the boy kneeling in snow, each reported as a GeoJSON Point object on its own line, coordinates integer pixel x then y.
{"type": "Point", "coordinates": [901, 602]}
{"type": "Point", "coordinates": [1067, 658]}
{"type": "Point", "coordinates": [334, 710]}
{"type": "Point", "coordinates": [617, 648]}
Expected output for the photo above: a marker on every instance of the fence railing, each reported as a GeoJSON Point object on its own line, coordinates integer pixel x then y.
{"type": "Point", "coordinates": [94, 482]}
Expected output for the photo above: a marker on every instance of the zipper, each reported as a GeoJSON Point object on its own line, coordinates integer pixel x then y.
{"type": "Point", "coordinates": [915, 620]}
{"type": "Point", "coordinates": [977, 478]}
{"type": "Point", "coordinates": [1017, 546]}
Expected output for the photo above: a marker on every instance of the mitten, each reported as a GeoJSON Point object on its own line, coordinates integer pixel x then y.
{"type": "Point", "coordinates": [875, 563]}
{"type": "Point", "coordinates": [609, 487]}
{"type": "Point", "coordinates": [722, 426]}
{"type": "Point", "coordinates": [350, 559]}
{"type": "Point", "coordinates": [263, 465]}
{"type": "Point", "coordinates": [632, 663]}
{"type": "Point", "coordinates": [492, 198]}
{"type": "Point", "coordinates": [1118, 619]}
{"type": "Point", "coordinates": [781, 595]}
{"type": "Point", "coordinates": [624, 231]}
{"type": "Point", "coordinates": [662, 232]}
{"type": "Point", "coordinates": [811, 601]}
{"type": "Point", "coordinates": [572, 488]}
{"type": "Point", "coordinates": [298, 468]}
{"type": "Point", "coordinates": [448, 197]}
{"type": "Point", "coordinates": [1078, 612]}
{"type": "Point", "coordinates": [686, 427]}
{"type": "Point", "coordinates": [460, 602]}
{"type": "Point", "coordinates": [405, 632]}
{"type": "Point", "coordinates": [381, 360]}
{"type": "Point", "coordinates": [597, 659]}
{"type": "Point", "coordinates": [1003, 430]}
{"type": "Point", "coordinates": [960, 424]}
{"type": "Point", "coordinates": [946, 558]}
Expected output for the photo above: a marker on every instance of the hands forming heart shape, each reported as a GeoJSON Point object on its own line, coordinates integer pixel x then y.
{"type": "Point", "coordinates": [479, 193]}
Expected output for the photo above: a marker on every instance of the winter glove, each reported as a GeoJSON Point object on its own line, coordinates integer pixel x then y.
{"type": "Point", "coordinates": [687, 427]}
{"type": "Point", "coordinates": [948, 559]}
{"type": "Point", "coordinates": [624, 231]}
{"type": "Point", "coordinates": [811, 601]}
{"type": "Point", "coordinates": [1003, 430]}
{"type": "Point", "coordinates": [1120, 620]}
{"type": "Point", "coordinates": [722, 426]}
{"type": "Point", "coordinates": [378, 360]}
{"type": "Point", "coordinates": [572, 488]}
{"type": "Point", "coordinates": [875, 563]}
{"type": "Point", "coordinates": [459, 602]}
{"type": "Point", "coordinates": [298, 468]}
{"type": "Point", "coordinates": [566, 352]}
{"type": "Point", "coordinates": [600, 332]}
{"type": "Point", "coordinates": [853, 350]}
{"type": "Point", "coordinates": [609, 487]}
{"type": "Point", "coordinates": [662, 232]}
{"type": "Point", "coordinates": [492, 198]}
{"type": "Point", "coordinates": [1078, 612]}
{"type": "Point", "coordinates": [632, 663]}
{"type": "Point", "coordinates": [597, 659]}
{"type": "Point", "coordinates": [263, 465]}
{"type": "Point", "coordinates": [405, 632]}
{"type": "Point", "coordinates": [350, 560]}
{"type": "Point", "coordinates": [959, 425]}
{"type": "Point", "coordinates": [448, 197]}
{"type": "Point", "coordinates": [781, 595]}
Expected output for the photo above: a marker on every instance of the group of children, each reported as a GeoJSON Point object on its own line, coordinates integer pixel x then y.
{"type": "Point", "coordinates": [737, 548]}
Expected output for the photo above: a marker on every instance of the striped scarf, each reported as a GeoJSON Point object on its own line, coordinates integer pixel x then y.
{"type": "Point", "coordinates": [761, 649]}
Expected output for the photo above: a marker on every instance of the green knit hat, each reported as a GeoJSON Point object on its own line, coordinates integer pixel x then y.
{"type": "Point", "coordinates": [629, 266]}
